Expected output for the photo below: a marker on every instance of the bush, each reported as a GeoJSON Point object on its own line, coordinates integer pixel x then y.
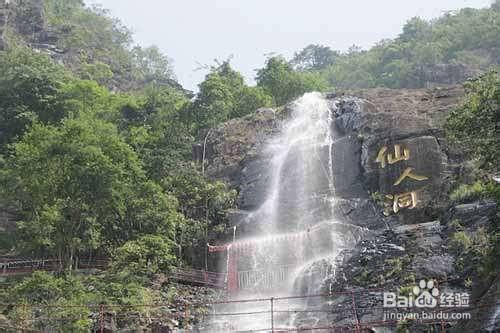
{"type": "Point", "coordinates": [474, 125]}
{"type": "Point", "coordinates": [59, 292]}
{"type": "Point", "coordinates": [143, 257]}
{"type": "Point", "coordinates": [283, 83]}
{"type": "Point", "coordinates": [460, 242]}
{"type": "Point", "coordinates": [468, 193]}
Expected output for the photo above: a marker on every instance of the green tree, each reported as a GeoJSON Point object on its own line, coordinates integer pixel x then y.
{"type": "Point", "coordinates": [224, 95]}
{"type": "Point", "coordinates": [59, 9]}
{"type": "Point", "coordinates": [205, 205]}
{"type": "Point", "coordinates": [415, 28]}
{"type": "Point", "coordinates": [249, 99]}
{"type": "Point", "coordinates": [314, 57]}
{"type": "Point", "coordinates": [213, 103]}
{"type": "Point", "coordinates": [151, 65]}
{"type": "Point", "coordinates": [157, 125]}
{"type": "Point", "coordinates": [144, 256]}
{"type": "Point", "coordinates": [80, 187]}
{"type": "Point", "coordinates": [437, 51]}
{"type": "Point", "coordinates": [98, 71]}
{"type": "Point", "coordinates": [99, 47]}
{"type": "Point", "coordinates": [43, 295]}
{"type": "Point", "coordinates": [279, 79]}
{"type": "Point", "coordinates": [475, 125]}
{"type": "Point", "coordinates": [84, 97]}
{"type": "Point", "coordinates": [30, 85]}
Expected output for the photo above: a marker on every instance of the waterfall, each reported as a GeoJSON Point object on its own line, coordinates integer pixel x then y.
{"type": "Point", "coordinates": [300, 235]}
{"type": "Point", "coordinates": [300, 171]}
{"type": "Point", "coordinates": [297, 219]}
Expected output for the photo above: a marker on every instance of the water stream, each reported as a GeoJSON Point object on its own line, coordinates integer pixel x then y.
{"type": "Point", "coordinates": [300, 232]}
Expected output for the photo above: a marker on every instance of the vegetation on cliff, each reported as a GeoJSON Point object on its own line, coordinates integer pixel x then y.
{"type": "Point", "coordinates": [475, 125]}
{"type": "Point", "coordinates": [443, 50]}
{"type": "Point", "coordinates": [95, 154]}
{"type": "Point", "coordinates": [474, 129]}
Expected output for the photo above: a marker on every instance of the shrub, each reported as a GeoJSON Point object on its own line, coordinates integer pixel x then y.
{"type": "Point", "coordinates": [460, 242]}
{"type": "Point", "coordinates": [145, 256]}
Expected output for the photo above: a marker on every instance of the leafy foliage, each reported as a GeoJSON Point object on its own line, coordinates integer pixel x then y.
{"type": "Point", "coordinates": [80, 187]}
{"type": "Point", "coordinates": [476, 191]}
{"type": "Point", "coordinates": [30, 86]}
{"type": "Point", "coordinates": [314, 57]}
{"type": "Point", "coordinates": [475, 124]}
{"type": "Point", "coordinates": [224, 95]}
{"type": "Point", "coordinates": [144, 256]}
{"type": "Point", "coordinates": [43, 295]}
{"type": "Point", "coordinates": [96, 156]}
{"type": "Point", "coordinates": [450, 47]}
{"type": "Point", "coordinates": [156, 124]}
{"type": "Point", "coordinates": [204, 204]}
{"type": "Point", "coordinates": [279, 79]}
{"type": "Point", "coordinates": [98, 47]}
{"type": "Point", "coordinates": [71, 303]}
{"type": "Point", "coordinates": [151, 65]}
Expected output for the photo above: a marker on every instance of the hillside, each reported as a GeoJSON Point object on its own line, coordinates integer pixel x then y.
{"type": "Point", "coordinates": [442, 51]}
{"type": "Point", "coordinates": [117, 176]}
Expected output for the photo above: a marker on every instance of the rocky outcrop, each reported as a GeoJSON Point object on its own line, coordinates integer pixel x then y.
{"type": "Point", "coordinates": [392, 172]}
{"type": "Point", "coordinates": [232, 153]}
{"type": "Point", "coordinates": [486, 317]}
{"type": "Point", "coordinates": [366, 121]}
{"type": "Point", "coordinates": [383, 124]}
{"type": "Point", "coordinates": [26, 19]}
{"type": "Point", "coordinates": [230, 146]}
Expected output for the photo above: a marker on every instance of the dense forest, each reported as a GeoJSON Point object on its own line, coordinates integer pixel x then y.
{"type": "Point", "coordinates": [96, 141]}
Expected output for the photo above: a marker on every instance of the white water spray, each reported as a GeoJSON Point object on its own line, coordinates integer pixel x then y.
{"type": "Point", "coordinates": [297, 157]}
{"type": "Point", "coordinates": [300, 235]}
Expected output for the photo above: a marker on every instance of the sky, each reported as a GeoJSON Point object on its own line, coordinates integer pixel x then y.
{"type": "Point", "coordinates": [194, 33]}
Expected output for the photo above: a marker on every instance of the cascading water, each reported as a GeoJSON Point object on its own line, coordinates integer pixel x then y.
{"type": "Point", "coordinates": [296, 160]}
{"type": "Point", "coordinates": [297, 220]}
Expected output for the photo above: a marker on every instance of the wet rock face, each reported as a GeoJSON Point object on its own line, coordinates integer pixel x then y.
{"type": "Point", "coordinates": [393, 152]}
{"type": "Point", "coordinates": [473, 217]}
{"type": "Point", "coordinates": [232, 150]}
{"type": "Point", "coordinates": [425, 158]}
{"type": "Point", "coordinates": [408, 181]}
{"type": "Point", "coordinates": [365, 124]}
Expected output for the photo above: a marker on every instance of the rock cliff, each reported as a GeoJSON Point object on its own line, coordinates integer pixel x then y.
{"type": "Point", "coordinates": [393, 171]}
{"type": "Point", "coordinates": [366, 121]}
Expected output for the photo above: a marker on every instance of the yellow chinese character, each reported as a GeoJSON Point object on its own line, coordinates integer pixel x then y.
{"type": "Point", "coordinates": [403, 200]}
{"type": "Point", "coordinates": [409, 173]}
{"type": "Point", "coordinates": [391, 159]}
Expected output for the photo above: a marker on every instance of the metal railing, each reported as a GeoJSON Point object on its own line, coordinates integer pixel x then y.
{"type": "Point", "coordinates": [350, 314]}
{"type": "Point", "coordinates": [17, 266]}
{"type": "Point", "coordinates": [194, 276]}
